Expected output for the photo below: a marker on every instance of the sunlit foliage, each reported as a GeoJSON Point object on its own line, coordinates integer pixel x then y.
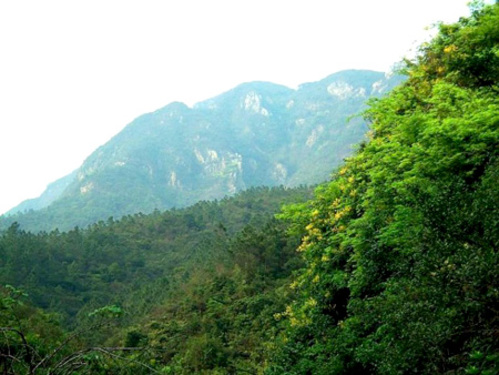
{"type": "Point", "coordinates": [401, 247]}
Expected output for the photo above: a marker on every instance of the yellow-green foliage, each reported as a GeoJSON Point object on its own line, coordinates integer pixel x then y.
{"type": "Point", "coordinates": [401, 246]}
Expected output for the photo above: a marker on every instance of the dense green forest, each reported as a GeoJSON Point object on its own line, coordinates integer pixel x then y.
{"type": "Point", "coordinates": [177, 279]}
{"type": "Point", "coordinates": [389, 268]}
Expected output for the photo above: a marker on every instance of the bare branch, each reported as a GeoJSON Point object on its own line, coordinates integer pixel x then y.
{"type": "Point", "coordinates": [108, 351]}
{"type": "Point", "coordinates": [65, 342]}
{"type": "Point", "coordinates": [29, 349]}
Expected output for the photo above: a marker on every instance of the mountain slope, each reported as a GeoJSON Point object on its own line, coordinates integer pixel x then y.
{"type": "Point", "coordinates": [256, 134]}
{"type": "Point", "coordinates": [51, 193]}
{"type": "Point", "coordinates": [401, 247]}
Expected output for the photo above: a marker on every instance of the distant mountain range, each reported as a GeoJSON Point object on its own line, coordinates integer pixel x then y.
{"type": "Point", "coordinates": [256, 134]}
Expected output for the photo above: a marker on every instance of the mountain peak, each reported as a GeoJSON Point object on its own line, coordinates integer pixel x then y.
{"type": "Point", "coordinates": [261, 89]}
{"type": "Point", "coordinates": [174, 106]}
{"type": "Point", "coordinates": [258, 133]}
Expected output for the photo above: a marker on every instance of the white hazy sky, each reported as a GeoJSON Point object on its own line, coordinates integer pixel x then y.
{"type": "Point", "coordinates": [74, 73]}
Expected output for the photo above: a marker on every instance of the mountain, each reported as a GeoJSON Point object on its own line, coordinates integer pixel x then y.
{"type": "Point", "coordinates": [51, 193]}
{"type": "Point", "coordinates": [389, 268]}
{"type": "Point", "coordinates": [256, 134]}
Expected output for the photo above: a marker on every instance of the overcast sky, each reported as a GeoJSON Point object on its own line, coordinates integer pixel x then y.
{"type": "Point", "coordinates": [74, 73]}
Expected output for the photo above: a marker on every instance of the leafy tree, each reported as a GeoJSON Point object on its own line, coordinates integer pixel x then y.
{"type": "Point", "coordinates": [401, 247]}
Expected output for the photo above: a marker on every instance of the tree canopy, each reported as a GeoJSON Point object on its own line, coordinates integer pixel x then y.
{"type": "Point", "coordinates": [401, 247]}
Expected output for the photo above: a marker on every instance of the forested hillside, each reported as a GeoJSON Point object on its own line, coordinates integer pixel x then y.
{"type": "Point", "coordinates": [257, 134]}
{"type": "Point", "coordinates": [401, 249]}
{"type": "Point", "coordinates": [389, 268]}
{"type": "Point", "coordinates": [194, 289]}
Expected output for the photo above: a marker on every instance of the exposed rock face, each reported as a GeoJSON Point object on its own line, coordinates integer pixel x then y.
{"type": "Point", "coordinates": [256, 134]}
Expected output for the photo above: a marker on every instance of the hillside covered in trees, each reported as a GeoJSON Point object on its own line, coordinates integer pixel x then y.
{"type": "Point", "coordinates": [257, 134]}
{"type": "Point", "coordinates": [401, 248]}
{"type": "Point", "coordinates": [389, 268]}
{"type": "Point", "coordinates": [182, 285]}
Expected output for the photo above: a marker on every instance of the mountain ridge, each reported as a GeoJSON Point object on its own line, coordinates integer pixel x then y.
{"type": "Point", "coordinates": [256, 134]}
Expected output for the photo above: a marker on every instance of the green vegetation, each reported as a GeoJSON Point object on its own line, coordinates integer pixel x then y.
{"type": "Point", "coordinates": [190, 284]}
{"type": "Point", "coordinates": [258, 134]}
{"type": "Point", "coordinates": [401, 247]}
{"type": "Point", "coordinates": [395, 273]}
